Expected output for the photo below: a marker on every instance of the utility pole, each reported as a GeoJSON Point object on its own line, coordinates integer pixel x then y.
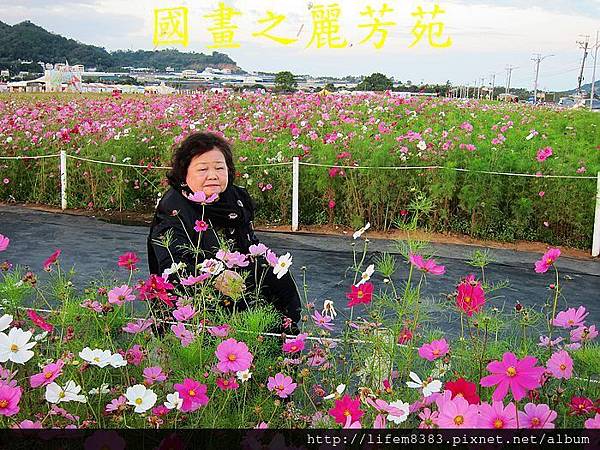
{"type": "Point", "coordinates": [493, 86]}
{"type": "Point", "coordinates": [583, 45]}
{"type": "Point", "coordinates": [538, 59]}
{"type": "Point", "coordinates": [481, 86]}
{"type": "Point", "coordinates": [592, 91]}
{"type": "Point", "coordinates": [509, 70]}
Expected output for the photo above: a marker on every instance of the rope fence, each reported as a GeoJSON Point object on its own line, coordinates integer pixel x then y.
{"type": "Point", "coordinates": [296, 163]}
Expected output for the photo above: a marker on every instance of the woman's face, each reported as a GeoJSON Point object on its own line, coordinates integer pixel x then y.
{"type": "Point", "coordinates": [208, 172]}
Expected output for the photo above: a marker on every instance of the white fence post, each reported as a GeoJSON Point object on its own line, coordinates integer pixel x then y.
{"type": "Point", "coordinates": [295, 184]}
{"type": "Point", "coordinates": [596, 238]}
{"type": "Point", "coordinates": [63, 179]}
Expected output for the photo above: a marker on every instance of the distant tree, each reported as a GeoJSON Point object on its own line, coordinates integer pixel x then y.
{"type": "Point", "coordinates": [330, 87]}
{"type": "Point", "coordinates": [375, 82]}
{"type": "Point", "coordinates": [285, 81]}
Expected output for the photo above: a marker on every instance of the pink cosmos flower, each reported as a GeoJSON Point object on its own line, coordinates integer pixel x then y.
{"type": "Point", "coordinates": [135, 355]}
{"type": "Point", "coordinates": [546, 342]}
{"type": "Point", "coordinates": [154, 375]}
{"type": "Point", "coordinates": [257, 249]}
{"type": "Point", "coordinates": [183, 334]}
{"type": "Point", "coordinates": [160, 410]}
{"type": "Point", "coordinates": [471, 296]}
{"type": "Point", "coordinates": [543, 154]}
{"type": "Point", "coordinates": [428, 266]}
{"type": "Point", "coordinates": [51, 260]}
{"type": "Point", "coordinates": [128, 261]}
{"type": "Point", "coordinates": [202, 198]}
{"type": "Point", "coordinates": [227, 384]}
{"type": "Point", "coordinates": [4, 241]}
{"type": "Point", "coordinates": [120, 295]}
{"type": "Point", "coordinates": [191, 280]}
{"type": "Point", "coordinates": [233, 356]}
{"type": "Point", "coordinates": [322, 321]}
{"type": "Point", "coordinates": [584, 334]}
{"type": "Point", "coordinates": [560, 365]}
{"type": "Point", "coordinates": [92, 304]}
{"type": "Point", "coordinates": [593, 423]}
{"type": "Point", "coordinates": [428, 419]}
{"type": "Point", "coordinates": [271, 258]}
{"type": "Point", "coordinates": [570, 318]}
{"type": "Point", "coordinates": [39, 321]}
{"type": "Point", "coordinates": [184, 313]}
{"type": "Point", "coordinates": [28, 425]}
{"type": "Point", "coordinates": [294, 345]}
{"type": "Point", "coordinates": [456, 413]}
{"type": "Point", "coordinates": [537, 416]}
{"type": "Point", "coordinates": [520, 375]}
{"type": "Point", "coordinates": [232, 259]}
{"type": "Point", "coordinates": [346, 407]}
{"type": "Point", "coordinates": [138, 326]}
{"type": "Point", "coordinates": [547, 260]}
{"type": "Point", "coordinates": [9, 400]}
{"type": "Point", "coordinates": [434, 350]}
{"type": "Point", "coordinates": [200, 226]}
{"type": "Point", "coordinates": [193, 394]}
{"type": "Point", "coordinates": [48, 374]}
{"type": "Point", "coordinates": [117, 404]}
{"type": "Point", "coordinates": [220, 330]}
{"type": "Point", "coordinates": [497, 416]}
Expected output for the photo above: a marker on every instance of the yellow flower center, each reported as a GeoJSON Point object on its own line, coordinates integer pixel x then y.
{"type": "Point", "coordinates": [14, 348]}
{"type": "Point", "coordinates": [61, 394]}
{"type": "Point", "coordinates": [563, 367]}
{"type": "Point", "coordinates": [436, 352]}
{"type": "Point", "coordinates": [294, 347]}
{"type": "Point", "coordinates": [535, 421]}
{"type": "Point", "coordinates": [359, 294]}
{"type": "Point", "coordinates": [498, 423]}
{"type": "Point", "coordinates": [192, 393]}
{"type": "Point", "coordinates": [232, 357]}
{"type": "Point", "coordinates": [347, 413]}
{"type": "Point", "coordinates": [570, 322]}
{"type": "Point", "coordinates": [511, 371]}
{"type": "Point", "coordinates": [3, 403]}
{"type": "Point", "coordinates": [48, 375]}
{"type": "Point", "coordinates": [225, 382]}
{"type": "Point", "coordinates": [549, 261]}
{"type": "Point", "coordinates": [121, 298]}
{"type": "Point", "coordinates": [280, 387]}
{"type": "Point", "coordinates": [138, 401]}
{"type": "Point", "coordinates": [467, 299]}
{"type": "Point", "coordinates": [459, 420]}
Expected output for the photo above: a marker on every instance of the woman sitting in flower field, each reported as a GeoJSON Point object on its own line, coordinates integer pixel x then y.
{"type": "Point", "coordinates": [203, 225]}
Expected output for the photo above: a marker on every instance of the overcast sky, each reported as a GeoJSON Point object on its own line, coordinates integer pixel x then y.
{"type": "Point", "coordinates": [487, 35]}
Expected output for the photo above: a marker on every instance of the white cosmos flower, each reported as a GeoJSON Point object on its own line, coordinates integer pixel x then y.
{"type": "Point", "coordinates": [15, 346]}
{"type": "Point", "coordinates": [141, 397]}
{"type": "Point", "coordinates": [103, 389]}
{"type": "Point", "coordinates": [244, 375]}
{"type": "Point", "coordinates": [428, 387]}
{"type": "Point", "coordinates": [69, 393]}
{"type": "Point", "coordinates": [422, 145]}
{"type": "Point", "coordinates": [338, 392]}
{"type": "Point", "coordinates": [5, 321]}
{"type": "Point", "coordinates": [174, 401]}
{"type": "Point", "coordinates": [401, 406]}
{"type": "Point", "coordinates": [440, 369]}
{"type": "Point", "coordinates": [283, 264]}
{"type": "Point", "coordinates": [359, 233]}
{"type": "Point", "coordinates": [328, 309]}
{"type": "Point", "coordinates": [117, 360]}
{"type": "Point", "coordinates": [175, 267]}
{"type": "Point", "coordinates": [366, 276]}
{"type": "Point", "coordinates": [96, 357]}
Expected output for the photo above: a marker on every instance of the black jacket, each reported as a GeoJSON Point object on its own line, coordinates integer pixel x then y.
{"type": "Point", "coordinates": [182, 223]}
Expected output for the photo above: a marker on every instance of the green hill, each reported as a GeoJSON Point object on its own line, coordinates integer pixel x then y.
{"type": "Point", "coordinates": [26, 41]}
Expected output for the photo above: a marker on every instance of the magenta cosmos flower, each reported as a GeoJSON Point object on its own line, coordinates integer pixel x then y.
{"type": "Point", "coordinates": [520, 375]}
{"type": "Point", "coordinates": [9, 400]}
{"type": "Point", "coordinates": [4, 241]}
{"type": "Point", "coordinates": [497, 416]}
{"type": "Point", "coordinates": [547, 260]}
{"type": "Point", "coordinates": [294, 345]}
{"type": "Point", "coordinates": [51, 260]}
{"type": "Point", "coordinates": [584, 334]}
{"type": "Point", "coordinates": [233, 356]}
{"type": "Point", "coordinates": [570, 318]}
{"type": "Point", "coordinates": [536, 416]}
{"type": "Point", "coordinates": [346, 407]}
{"type": "Point", "coordinates": [428, 266]}
{"type": "Point", "coordinates": [456, 413]}
{"type": "Point", "coordinates": [282, 385]}
{"type": "Point", "coordinates": [48, 374]}
{"type": "Point", "coordinates": [434, 350]}
{"type": "Point", "coordinates": [560, 365]}
{"type": "Point", "coordinates": [471, 297]}
{"type": "Point", "coordinates": [128, 261]}
{"type": "Point", "coordinates": [193, 394]}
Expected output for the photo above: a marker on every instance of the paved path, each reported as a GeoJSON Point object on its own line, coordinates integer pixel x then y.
{"type": "Point", "coordinates": [93, 247]}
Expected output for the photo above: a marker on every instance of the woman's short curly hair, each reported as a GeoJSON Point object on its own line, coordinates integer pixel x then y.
{"type": "Point", "coordinates": [197, 144]}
